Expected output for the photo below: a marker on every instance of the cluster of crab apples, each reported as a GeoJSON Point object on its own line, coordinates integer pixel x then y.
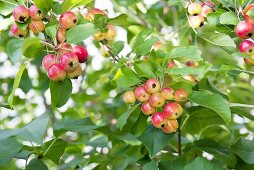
{"type": "Point", "coordinates": [198, 13]}
{"type": "Point", "coordinates": [163, 104]}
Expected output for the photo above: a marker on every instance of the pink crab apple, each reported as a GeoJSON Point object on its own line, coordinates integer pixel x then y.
{"type": "Point", "coordinates": [141, 94]}
{"type": "Point", "coordinates": [196, 21]}
{"type": "Point", "coordinates": [170, 127]}
{"type": "Point", "coordinates": [68, 20]}
{"type": "Point", "coordinates": [35, 13]}
{"type": "Point", "coordinates": [181, 96]}
{"type": "Point", "coordinates": [48, 61]}
{"type": "Point", "coordinates": [167, 93]}
{"type": "Point", "coordinates": [74, 74]}
{"type": "Point", "coordinates": [64, 49]}
{"type": "Point", "coordinates": [15, 31]}
{"type": "Point", "coordinates": [69, 61]}
{"type": "Point", "coordinates": [129, 97]}
{"type": "Point", "coordinates": [36, 27]}
{"type": "Point", "coordinates": [171, 64]}
{"type": "Point", "coordinates": [156, 100]}
{"type": "Point", "coordinates": [152, 85]}
{"type": "Point", "coordinates": [56, 73]}
{"type": "Point", "coordinates": [194, 9]}
{"type": "Point", "coordinates": [247, 47]}
{"type": "Point", "coordinates": [60, 35]}
{"type": "Point", "coordinates": [111, 33]}
{"type": "Point", "coordinates": [173, 110]}
{"type": "Point", "coordinates": [20, 14]}
{"type": "Point", "coordinates": [147, 109]}
{"type": "Point", "coordinates": [245, 29]}
{"type": "Point", "coordinates": [159, 119]}
{"type": "Point", "coordinates": [207, 7]}
{"type": "Point", "coordinates": [81, 53]}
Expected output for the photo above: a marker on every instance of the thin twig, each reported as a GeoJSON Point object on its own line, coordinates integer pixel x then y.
{"type": "Point", "coordinates": [179, 142]}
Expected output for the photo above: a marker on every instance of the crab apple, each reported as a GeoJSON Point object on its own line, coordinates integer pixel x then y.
{"type": "Point", "coordinates": [129, 97]}
{"type": "Point", "coordinates": [20, 14]}
{"type": "Point", "coordinates": [75, 73]}
{"type": "Point", "coordinates": [35, 13]}
{"type": "Point", "coordinates": [159, 119]}
{"type": "Point", "coordinates": [171, 64]}
{"type": "Point", "coordinates": [15, 31]}
{"type": "Point", "coordinates": [158, 45]}
{"type": "Point", "coordinates": [68, 20]}
{"type": "Point", "coordinates": [170, 127]}
{"type": "Point", "coordinates": [36, 27]}
{"type": "Point", "coordinates": [173, 110]}
{"type": "Point", "coordinates": [152, 85]}
{"type": "Point", "coordinates": [167, 93]}
{"type": "Point", "coordinates": [104, 52]}
{"type": "Point", "coordinates": [181, 96]}
{"type": "Point", "coordinates": [247, 47]}
{"type": "Point", "coordinates": [248, 61]}
{"type": "Point", "coordinates": [244, 29]}
{"type": "Point", "coordinates": [64, 48]}
{"type": "Point", "coordinates": [111, 33]}
{"type": "Point", "coordinates": [69, 61]}
{"type": "Point", "coordinates": [207, 7]}
{"type": "Point", "coordinates": [56, 72]}
{"type": "Point", "coordinates": [60, 35]}
{"type": "Point", "coordinates": [99, 36]}
{"type": "Point", "coordinates": [48, 61]}
{"type": "Point", "coordinates": [191, 64]}
{"type": "Point", "coordinates": [96, 11]}
{"type": "Point", "coordinates": [196, 21]}
{"type": "Point", "coordinates": [147, 109]}
{"type": "Point", "coordinates": [141, 94]}
{"type": "Point", "coordinates": [81, 53]}
{"type": "Point", "coordinates": [156, 100]}
{"type": "Point", "coordinates": [194, 9]}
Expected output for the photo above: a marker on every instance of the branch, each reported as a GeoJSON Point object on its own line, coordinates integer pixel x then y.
{"type": "Point", "coordinates": [48, 44]}
{"type": "Point", "coordinates": [179, 142]}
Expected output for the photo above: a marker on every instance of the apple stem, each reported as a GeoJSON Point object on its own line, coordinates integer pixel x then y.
{"type": "Point", "coordinates": [179, 142]}
{"type": "Point", "coordinates": [48, 45]}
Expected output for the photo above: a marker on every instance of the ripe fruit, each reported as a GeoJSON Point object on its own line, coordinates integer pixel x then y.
{"type": "Point", "coordinates": [104, 52]}
{"type": "Point", "coordinates": [191, 64]}
{"type": "Point", "coordinates": [196, 21]}
{"type": "Point", "coordinates": [69, 61]}
{"type": "Point", "coordinates": [173, 110]}
{"type": "Point", "coordinates": [56, 73]}
{"type": "Point", "coordinates": [81, 53]}
{"type": "Point", "coordinates": [74, 74]}
{"type": "Point", "coordinates": [207, 7]}
{"type": "Point", "coordinates": [159, 119]}
{"type": "Point", "coordinates": [111, 33]}
{"type": "Point", "coordinates": [129, 97]}
{"type": "Point", "coordinates": [248, 61]}
{"type": "Point", "coordinates": [170, 126]}
{"type": "Point", "coordinates": [96, 11]}
{"type": "Point", "coordinates": [245, 29]}
{"type": "Point", "coordinates": [99, 36]}
{"type": "Point", "coordinates": [247, 47]}
{"type": "Point", "coordinates": [20, 14]}
{"type": "Point", "coordinates": [64, 48]}
{"type": "Point", "coordinates": [147, 109]}
{"type": "Point", "coordinates": [181, 96]}
{"type": "Point", "coordinates": [36, 27]}
{"type": "Point", "coordinates": [167, 93]}
{"type": "Point", "coordinates": [141, 94]}
{"type": "Point", "coordinates": [15, 31]}
{"type": "Point", "coordinates": [171, 64]}
{"type": "Point", "coordinates": [152, 85]}
{"type": "Point", "coordinates": [68, 20]}
{"type": "Point", "coordinates": [194, 9]}
{"type": "Point", "coordinates": [48, 61]}
{"type": "Point", "coordinates": [35, 13]}
{"type": "Point", "coordinates": [156, 100]}
{"type": "Point", "coordinates": [60, 35]}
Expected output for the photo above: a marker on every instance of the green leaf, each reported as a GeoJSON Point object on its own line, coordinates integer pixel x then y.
{"type": "Point", "coordinates": [7, 8]}
{"type": "Point", "coordinates": [117, 47]}
{"type": "Point", "coordinates": [187, 70]}
{"type": "Point", "coordinates": [80, 33]}
{"type": "Point", "coordinates": [245, 149]}
{"type": "Point", "coordinates": [190, 52]}
{"type": "Point", "coordinates": [229, 18]}
{"type": "Point", "coordinates": [32, 47]}
{"type": "Point", "coordinates": [128, 79]}
{"type": "Point", "coordinates": [150, 166]}
{"type": "Point", "coordinates": [251, 13]}
{"type": "Point", "coordinates": [214, 102]}
{"type": "Point", "coordinates": [8, 150]}
{"type": "Point", "coordinates": [16, 83]}
{"type": "Point", "coordinates": [14, 49]}
{"type": "Point", "coordinates": [176, 164]}
{"type": "Point", "coordinates": [201, 163]}
{"type": "Point", "coordinates": [60, 92]}
{"type": "Point", "coordinates": [44, 5]}
{"type": "Point", "coordinates": [154, 139]}
{"type": "Point", "coordinates": [120, 20]}
{"type": "Point", "coordinates": [23, 26]}
{"type": "Point", "coordinates": [69, 4]}
{"type": "Point", "coordinates": [36, 164]}
{"type": "Point", "coordinates": [144, 69]}
{"type": "Point", "coordinates": [241, 112]}
{"type": "Point", "coordinates": [51, 31]}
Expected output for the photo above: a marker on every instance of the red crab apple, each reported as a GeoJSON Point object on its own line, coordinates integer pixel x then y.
{"type": "Point", "coordinates": [207, 7]}
{"type": "Point", "coordinates": [69, 61]}
{"type": "Point", "coordinates": [111, 33]}
{"type": "Point", "coordinates": [20, 14]}
{"type": "Point", "coordinates": [147, 109]}
{"type": "Point", "coordinates": [15, 31]}
{"type": "Point", "coordinates": [129, 97]}
{"type": "Point", "coordinates": [171, 64]}
{"type": "Point", "coordinates": [48, 61]}
{"type": "Point", "coordinates": [191, 64]}
{"type": "Point", "coordinates": [159, 119]}
{"type": "Point", "coordinates": [173, 110]}
{"type": "Point", "coordinates": [181, 96]}
{"type": "Point", "coordinates": [247, 47]}
{"type": "Point", "coordinates": [196, 21]}
{"type": "Point", "coordinates": [35, 13]}
{"type": "Point", "coordinates": [36, 27]}
{"type": "Point", "coordinates": [152, 85]}
{"type": "Point", "coordinates": [68, 20]}
{"type": "Point", "coordinates": [194, 9]}
{"type": "Point", "coordinates": [56, 73]}
{"type": "Point", "coordinates": [248, 61]}
{"type": "Point", "coordinates": [81, 53]}
{"type": "Point", "coordinates": [64, 48]}
{"type": "Point", "coordinates": [167, 93]}
{"type": "Point", "coordinates": [75, 73]}
{"type": "Point", "coordinates": [170, 126]}
{"type": "Point", "coordinates": [245, 29]}
{"type": "Point", "coordinates": [60, 35]}
{"type": "Point", "coordinates": [156, 100]}
{"type": "Point", "coordinates": [141, 94]}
